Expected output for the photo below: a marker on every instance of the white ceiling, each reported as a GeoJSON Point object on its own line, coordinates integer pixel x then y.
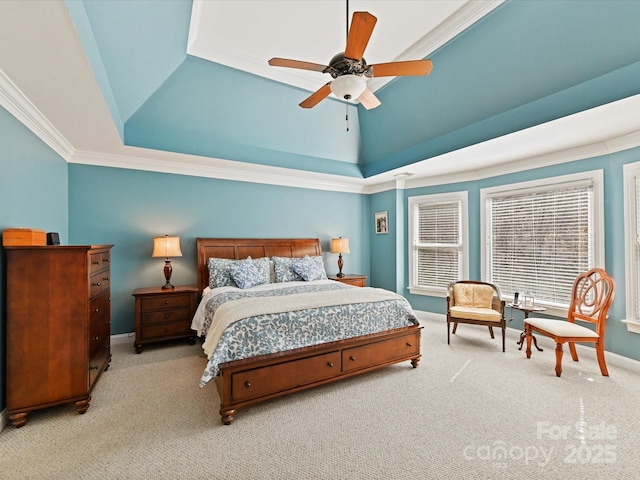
{"type": "Point", "coordinates": [246, 34]}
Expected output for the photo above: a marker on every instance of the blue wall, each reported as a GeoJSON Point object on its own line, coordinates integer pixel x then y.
{"type": "Point", "coordinates": [33, 194]}
{"type": "Point", "coordinates": [128, 208]}
{"type": "Point", "coordinates": [618, 339]}
{"type": "Point", "coordinates": [88, 204]}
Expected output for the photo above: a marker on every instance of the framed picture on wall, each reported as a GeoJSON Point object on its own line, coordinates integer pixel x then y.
{"type": "Point", "coordinates": [382, 222]}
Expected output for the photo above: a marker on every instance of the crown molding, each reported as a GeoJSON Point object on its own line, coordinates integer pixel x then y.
{"type": "Point", "coordinates": [182, 164]}
{"type": "Point", "coordinates": [17, 103]}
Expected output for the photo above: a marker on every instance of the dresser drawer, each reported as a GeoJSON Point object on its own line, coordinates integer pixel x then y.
{"type": "Point", "coordinates": [260, 382]}
{"type": "Point", "coordinates": [161, 330]}
{"type": "Point", "coordinates": [98, 360]}
{"type": "Point", "coordinates": [162, 316]}
{"type": "Point", "coordinates": [98, 282]}
{"type": "Point", "coordinates": [98, 335]}
{"type": "Point", "coordinates": [357, 358]}
{"type": "Point", "coordinates": [166, 301]}
{"type": "Point", "coordinates": [100, 306]}
{"type": "Point", "coordinates": [99, 261]}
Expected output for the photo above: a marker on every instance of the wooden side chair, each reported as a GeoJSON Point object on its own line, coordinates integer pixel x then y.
{"type": "Point", "coordinates": [476, 303]}
{"type": "Point", "coordinates": [591, 297]}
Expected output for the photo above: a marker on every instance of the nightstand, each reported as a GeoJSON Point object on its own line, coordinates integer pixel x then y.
{"type": "Point", "coordinates": [164, 314]}
{"type": "Point", "coordinates": [356, 280]}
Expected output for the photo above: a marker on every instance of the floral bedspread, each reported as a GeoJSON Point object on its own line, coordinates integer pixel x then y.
{"type": "Point", "coordinates": [277, 332]}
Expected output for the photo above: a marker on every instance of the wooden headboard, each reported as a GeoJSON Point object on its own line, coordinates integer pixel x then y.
{"type": "Point", "coordinates": [239, 248]}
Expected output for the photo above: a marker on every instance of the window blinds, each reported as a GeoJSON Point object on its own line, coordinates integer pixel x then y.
{"type": "Point", "coordinates": [540, 239]}
{"type": "Point", "coordinates": [437, 232]}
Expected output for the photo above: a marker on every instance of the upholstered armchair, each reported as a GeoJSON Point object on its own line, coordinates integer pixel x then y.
{"type": "Point", "coordinates": [475, 303]}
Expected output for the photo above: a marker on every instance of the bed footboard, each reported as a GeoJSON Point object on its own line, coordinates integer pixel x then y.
{"type": "Point", "coordinates": [252, 380]}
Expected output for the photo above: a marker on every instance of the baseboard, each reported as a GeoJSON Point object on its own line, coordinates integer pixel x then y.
{"type": "Point", "coordinates": [4, 419]}
{"type": "Point", "coordinates": [611, 358]}
{"type": "Point", "coordinates": [122, 338]}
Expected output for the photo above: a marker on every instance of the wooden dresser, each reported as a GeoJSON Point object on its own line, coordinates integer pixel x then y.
{"type": "Point", "coordinates": [58, 325]}
{"type": "Point", "coordinates": [164, 314]}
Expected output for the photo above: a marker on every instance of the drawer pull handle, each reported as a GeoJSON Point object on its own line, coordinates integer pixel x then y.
{"type": "Point", "coordinates": [409, 344]}
{"type": "Point", "coordinates": [166, 302]}
{"type": "Point", "coordinates": [95, 339]}
{"type": "Point", "coordinates": [106, 279]}
{"type": "Point", "coordinates": [330, 364]}
{"type": "Point", "coordinates": [94, 368]}
{"type": "Point", "coordinates": [166, 315]}
{"type": "Point", "coordinates": [107, 260]}
{"type": "Point", "coordinates": [96, 310]}
{"type": "Point", "coordinates": [97, 262]}
{"type": "Point", "coordinates": [352, 358]}
{"type": "Point", "coordinates": [97, 284]}
{"type": "Point", "coordinates": [247, 385]}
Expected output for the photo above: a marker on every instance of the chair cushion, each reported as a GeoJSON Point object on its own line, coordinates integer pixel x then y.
{"type": "Point", "coordinates": [472, 295]}
{"type": "Point", "coordinates": [561, 328]}
{"type": "Point", "coordinates": [475, 313]}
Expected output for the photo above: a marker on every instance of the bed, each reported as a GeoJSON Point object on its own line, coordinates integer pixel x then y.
{"type": "Point", "coordinates": [245, 381]}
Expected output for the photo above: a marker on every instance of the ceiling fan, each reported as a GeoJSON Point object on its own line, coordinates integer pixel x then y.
{"type": "Point", "coordinates": [349, 68]}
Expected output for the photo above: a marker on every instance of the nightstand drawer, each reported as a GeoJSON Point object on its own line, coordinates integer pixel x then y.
{"type": "Point", "coordinates": [166, 330]}
{"type": "Point", "coordinates": [163, 316]}
{"type": "Point", "coordinates": [165, 301]}
{"type": "Point", "coordinates": [355, 280]}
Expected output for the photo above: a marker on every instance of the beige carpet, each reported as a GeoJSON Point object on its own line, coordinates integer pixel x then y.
{"type": "Point", "coordinates": [468, 411]}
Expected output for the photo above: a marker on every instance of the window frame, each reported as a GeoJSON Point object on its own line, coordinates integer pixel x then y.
{"type": "Point", "coordinates": [597, 220]}
{"type": "Point", "coordinates": [459, 196]}
{"type": "Point", "coordinates": [632, 243]}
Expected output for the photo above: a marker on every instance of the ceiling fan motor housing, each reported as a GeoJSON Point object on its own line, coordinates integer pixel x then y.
{"type": "Point", "coordinates": [341, 65]}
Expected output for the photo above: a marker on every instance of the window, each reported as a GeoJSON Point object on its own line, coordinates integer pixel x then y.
{"type": "Point", "coordinates": [632, 243]}
{"type": "Point", "coordinates": [540, 235]}
{"type": "Point", "coordinates": [438, 251]}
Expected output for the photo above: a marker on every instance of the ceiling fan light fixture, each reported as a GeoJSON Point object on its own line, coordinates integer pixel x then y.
{"type": "Point", "coordinates": [348, 87]}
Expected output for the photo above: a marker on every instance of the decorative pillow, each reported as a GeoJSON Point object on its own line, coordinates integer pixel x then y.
{"type": "Point", "coordinates": [245, 274]}
{"type": "Point", "coordinates": [262, 264]}
{"type": "Point", "coordinates": [272, 271]}
{"type": "Point", "coordinates": [219, 274]}
{"type": "Point", "coordinates": [309, 269]}
{"type": "Point", "coordinates": [283, 271]}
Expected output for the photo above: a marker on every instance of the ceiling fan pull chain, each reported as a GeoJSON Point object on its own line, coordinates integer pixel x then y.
{"type": "Point", "coordinates": [346, 117]}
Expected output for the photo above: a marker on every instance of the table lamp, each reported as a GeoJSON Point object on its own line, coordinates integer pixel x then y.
{"type": "Point", "coordinates": [340, 245]}
{"type": "Point", "coordinates": [167, 247]}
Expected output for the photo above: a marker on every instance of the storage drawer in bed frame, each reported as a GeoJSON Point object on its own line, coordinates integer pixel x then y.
{"type": "Point", "coordinates": [243, 382]}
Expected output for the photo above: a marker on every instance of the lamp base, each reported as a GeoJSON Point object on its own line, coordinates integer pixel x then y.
{"type": "Point", "coordinates": [340, 274]}
{"type": "Point", "coordinates": [167, 275]}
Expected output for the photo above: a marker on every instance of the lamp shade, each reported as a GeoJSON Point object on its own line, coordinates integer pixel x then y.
{"type": "Point", "coordinates": [348, 86]}
{"type": "Point", "coordinates": [166, 247]}
{"type": "Point", "coordinates": [340, 245]}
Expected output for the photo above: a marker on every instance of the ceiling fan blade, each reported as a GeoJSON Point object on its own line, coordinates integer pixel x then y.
{"type": "Point", "coordinates": [315, 98]}
{"type": "Point", "coordinates": [284, 62]}
{"type": "Point", "coordinates": [402, 69]}
{"type": "Point", "coordinates": [361, 29]}
{"type": "Point", "coordinates": [368, 100]}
